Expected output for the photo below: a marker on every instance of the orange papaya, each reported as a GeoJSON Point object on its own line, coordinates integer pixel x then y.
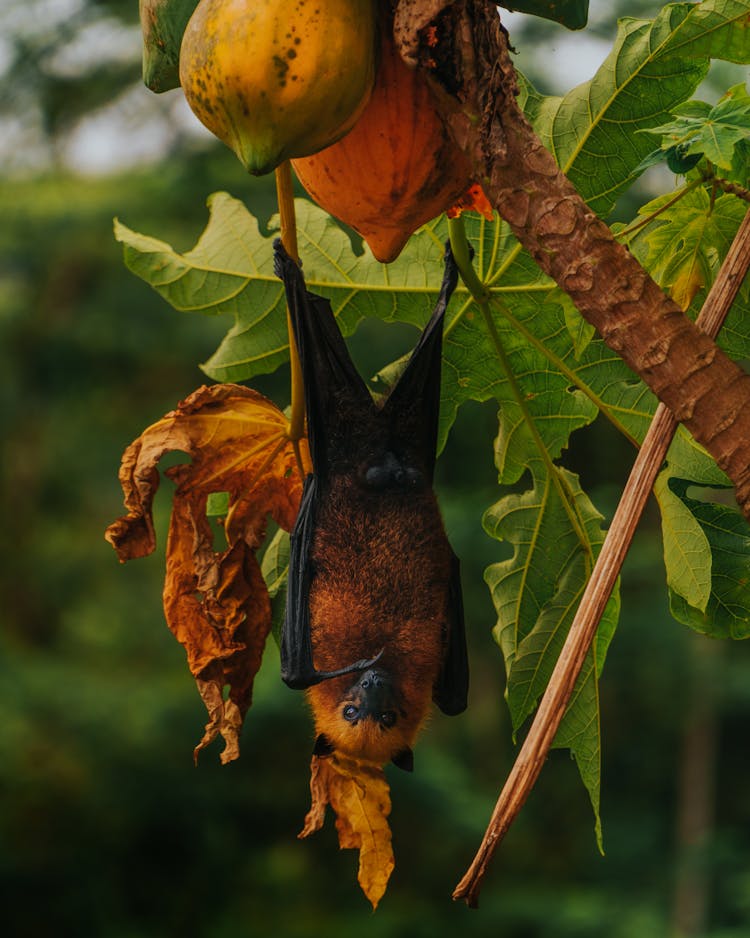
{"type": "Point", "coordinates": [396, 169]}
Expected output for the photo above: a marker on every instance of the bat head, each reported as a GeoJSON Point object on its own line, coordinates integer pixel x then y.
{"type": "Point", "coordinates": [368, 721]}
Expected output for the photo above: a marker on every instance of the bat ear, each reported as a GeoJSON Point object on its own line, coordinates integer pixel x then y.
{"type": "Point", "coordinates": [404, 760]}
{"type": "Point", "coordinates": [323, 747]}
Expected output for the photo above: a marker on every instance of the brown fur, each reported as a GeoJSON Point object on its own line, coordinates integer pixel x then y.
{"type": "Point", "coordinates": [381, 565]}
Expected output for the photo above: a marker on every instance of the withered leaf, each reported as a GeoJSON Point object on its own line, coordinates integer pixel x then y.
{"type": "Point", "coordinates": [359, 795]}
{"type": "Point", "coordinates": [215, 600]}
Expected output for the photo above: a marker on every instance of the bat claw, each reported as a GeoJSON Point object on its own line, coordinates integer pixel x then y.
{"type": "Point", "coordinates": [364, 663]}
{"type": "Point", "coordinates": [308, 679]}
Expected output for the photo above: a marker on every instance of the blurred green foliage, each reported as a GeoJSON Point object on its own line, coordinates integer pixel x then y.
{"type": "Point", "coordinates": [107, 830]}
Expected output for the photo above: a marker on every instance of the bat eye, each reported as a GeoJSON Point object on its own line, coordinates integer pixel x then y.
{"type": "Point", "coordinates": [350, 713]}
{"type": "Point", "coordinates": [388, 718]}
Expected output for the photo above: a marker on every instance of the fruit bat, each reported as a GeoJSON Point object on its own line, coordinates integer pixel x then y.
{"type": "Point", "coordinates": [374, 618]}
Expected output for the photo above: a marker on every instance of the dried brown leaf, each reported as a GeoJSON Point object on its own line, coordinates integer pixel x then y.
{"type": "Point", "coordinates": [359, 795]}
{"type": "Point", "coordinates": [215, 600]}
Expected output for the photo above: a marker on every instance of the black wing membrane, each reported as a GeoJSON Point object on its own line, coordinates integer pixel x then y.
{"type": "Point", "coordinates": [333, 386]}
{"type": "Point", "coordinates": [297, 667]}
{"type": "Point", "coordinates": [414, 402]}
{"type": "Point", "coordinates": [329, 377]}
{"type": "Point", "coordinates": [451, 689]}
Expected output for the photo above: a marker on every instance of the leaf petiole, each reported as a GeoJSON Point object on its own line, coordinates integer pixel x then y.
{"type": "Point", "coordinates": [628, 232]}
{"type": "Point", "coordinates": [285, 198]}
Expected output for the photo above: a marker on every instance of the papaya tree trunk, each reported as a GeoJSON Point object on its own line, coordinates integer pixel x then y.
{"type": "Point", "coordinates": [696, 784]}
{"type": "Point", "coordinates": [462, 48]}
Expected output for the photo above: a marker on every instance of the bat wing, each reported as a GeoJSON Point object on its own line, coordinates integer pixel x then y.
{"type": "Point", "coordinates": [297, 667]}
{"type": "Point", "coordinates": [338, 406]}
{"type": "Point", "coordinates": [334, 395]}
{"type": "Point", "coordinates": [414, 402]}
{"type": "Point", "coordinates": [452, 686]}
{"type": "Point", "coordinates": [334, 390]}
{"type": "Point", "coordinates": [414, 406]}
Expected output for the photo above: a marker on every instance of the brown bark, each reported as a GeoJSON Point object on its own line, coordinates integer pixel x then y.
{"type": "Point", "coordinates": [696, 792]}
{"type": "Point", "coordinates": [466, 59]}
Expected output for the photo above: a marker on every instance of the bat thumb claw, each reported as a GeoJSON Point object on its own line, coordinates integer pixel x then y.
{"type": "Point", "coordinates": [364, 663]}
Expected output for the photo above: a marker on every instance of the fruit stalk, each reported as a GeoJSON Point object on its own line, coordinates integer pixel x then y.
{"type": "Point", "coordinates": [285, 198]}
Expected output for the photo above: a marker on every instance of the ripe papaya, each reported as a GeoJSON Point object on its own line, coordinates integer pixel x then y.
{"type": "Point", "coordinates": [396, 169]}
{"type": "Point", "coordinates": [278, 78]}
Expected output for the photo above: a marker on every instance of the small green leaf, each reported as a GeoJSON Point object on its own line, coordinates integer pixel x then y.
{"type": "Point", "coordinates": [275, 569]}
{"type": "Point", "coordinates": [217, 504]}
{"type": "Point", "coordinates": [571, 13]}
{"type": "Point", "coordinates": [652, 68]}
{"type": "Point", "coordinates": [727, 612]}
{"type": "Point", "coordinates": [695, 232]}
{"type": "Point", "coordinates": [687, 553]}
{"type": "Point", "coordinates": [701, 130]}
{"type": "Point", "coordinates": [680, 161]}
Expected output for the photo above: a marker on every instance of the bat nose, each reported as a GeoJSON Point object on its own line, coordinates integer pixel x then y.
{"type": "Point", "coordinates": [374, 678]}
{"type": "Point", "coordinates": [375, 691]}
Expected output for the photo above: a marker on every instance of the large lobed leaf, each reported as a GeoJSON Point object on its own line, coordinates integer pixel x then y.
{"type": "Point", "coordinates": [653, 66]}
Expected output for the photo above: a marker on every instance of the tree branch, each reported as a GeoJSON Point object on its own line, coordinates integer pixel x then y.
{"type": "Point", "coordinates": [464, 54]}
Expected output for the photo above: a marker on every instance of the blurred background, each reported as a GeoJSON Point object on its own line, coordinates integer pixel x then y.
{"type": "Point", "coordinates": [106, 828]}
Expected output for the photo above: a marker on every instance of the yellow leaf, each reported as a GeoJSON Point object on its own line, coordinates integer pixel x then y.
{"type": "Point", "coordinates": [359, 795]}
{"type": "Point", "coordinates": [686, 284]}
{"type": "Point", "coordinates": [215, 600]}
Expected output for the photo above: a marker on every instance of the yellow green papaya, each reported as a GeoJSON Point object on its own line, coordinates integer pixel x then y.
{"type": "Point", "coordinates": [275, 79]}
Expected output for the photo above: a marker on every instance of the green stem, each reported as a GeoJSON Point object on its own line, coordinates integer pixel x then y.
{"type": "Point", "coordinates": [460, 249]}
{"type": "Point", "coordinates": [285, 197]}
{"type": "Point", "coordinates": [731, 187]}
{"type": "Point", "coordinates": [636, 226]}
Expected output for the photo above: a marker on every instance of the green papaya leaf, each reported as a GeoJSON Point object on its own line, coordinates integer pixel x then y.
{"type": "Point", "coordinates": [694, 234]}
{"type": "Point", "coordinates": [701, 130]}
{"type": "Point", "coordinates": [571, 13]}
{"type": "Point", "coordinates": [653, 67]}
{"type": "Point", "coordinates": [687, 553]}
{"type": "Point", "coordinates": [726, 613]}
{"type": "Point", "coordinates": [275, 569]}
{"type": "Point", "coordinates": [556, 533]}
{"type": "Point", "coordinates": [680, 161]}
{"type": "Point", "coordinates": [740, 171]}
{"type": "Point", "coordinates": [163, 24]}
{"type": "Point", "coordinates": [230, 270]}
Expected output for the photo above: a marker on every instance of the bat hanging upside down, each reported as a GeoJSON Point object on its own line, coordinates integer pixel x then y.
{"type": "Point", "coordinates": [374, 618]}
